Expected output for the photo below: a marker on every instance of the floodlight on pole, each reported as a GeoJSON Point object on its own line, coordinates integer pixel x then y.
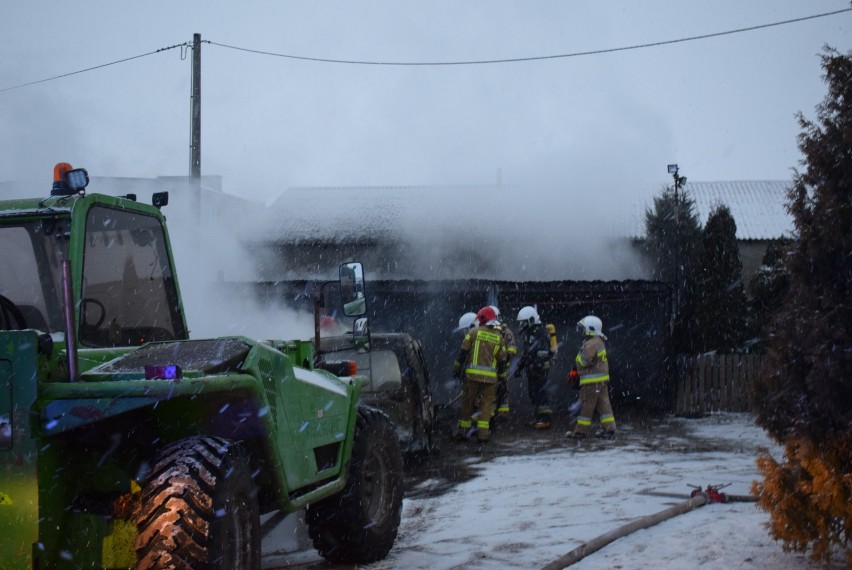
{"type": "Point", "coordinates": [678, 182]}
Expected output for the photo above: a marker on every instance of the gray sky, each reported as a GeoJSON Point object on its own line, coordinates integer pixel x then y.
{"type": "Point", "coordinates": [723, 108]}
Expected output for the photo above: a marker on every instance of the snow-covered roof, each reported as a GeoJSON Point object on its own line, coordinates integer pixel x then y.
{"type": "Point", "coordinates": [348, 213]}
{"type": "Point", "coordinates": [444, 232]}
{"type": "Point", "coordinates": [505, 231]}
{"type": "Point", "coordinates": [388, 212]}
{"type": "Point", "coordinates": [758, 206]}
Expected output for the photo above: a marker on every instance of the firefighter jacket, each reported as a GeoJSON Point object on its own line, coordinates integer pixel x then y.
{"type": "Point", "coordinates": [591, 361]}
{"type": "Point", "coordinates": [508, 340]}
{"type": "Point", "coordinates": [511, 348]}
{"type": "Point", "coordinates": [539, 347]}
{"type": "Point", "coordinates": [482, 355]}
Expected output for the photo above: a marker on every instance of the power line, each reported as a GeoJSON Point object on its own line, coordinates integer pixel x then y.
{"type": "Point", "coordinates": [534, 58]}
{"type": "Point", "coordinates": [441, 63]}
{"type": "Point", "coordinates": [185, 44]}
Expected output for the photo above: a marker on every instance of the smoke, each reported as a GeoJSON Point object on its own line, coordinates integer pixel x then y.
{"type": "Point", "coordinates": [511, 233]}
{"type": "Point", "coordinates": [217, 275]}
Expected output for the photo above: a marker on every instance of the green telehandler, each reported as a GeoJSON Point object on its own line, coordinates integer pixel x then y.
{"type": "Point", "coordinates": [126, 444]}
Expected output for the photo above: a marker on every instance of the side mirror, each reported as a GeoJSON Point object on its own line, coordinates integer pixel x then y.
{"type": "Point", "coordinates": [361, 334]}
{"type": "Point", "coordinates": [352, 293]}
{"type": "Point", "coordinates": [361, 327]}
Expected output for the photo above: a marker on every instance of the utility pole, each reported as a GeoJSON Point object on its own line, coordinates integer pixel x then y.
{"type": "Point", "coordinates": [678, 182]}
{"type": "Point", "coordinates": [195, 136]}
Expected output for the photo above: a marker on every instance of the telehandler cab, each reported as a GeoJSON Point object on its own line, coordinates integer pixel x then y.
{"type": "Point", "coordinates": [126, 444]}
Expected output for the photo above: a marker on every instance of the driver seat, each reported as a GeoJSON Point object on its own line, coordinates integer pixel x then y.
{"type": "Point", "coordinates": [34, 318]}
{"type": "Point", "coordinates": [10, 316]}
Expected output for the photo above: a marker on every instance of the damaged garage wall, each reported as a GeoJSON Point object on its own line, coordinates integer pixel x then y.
{"type": "Point", "coordinates": [433, 253]}
{"type": "Point", "coordinates": [635, 316]}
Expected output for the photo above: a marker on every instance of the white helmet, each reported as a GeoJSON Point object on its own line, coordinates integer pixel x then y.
{"type": "Point", "coordinates": [467, 321]}
{"type": "Point", "coordinates": [590, 326]}
{"type": "Point", "coordinates": [528, 316]}
{"type": "Point", "coordinates": [496, 312]}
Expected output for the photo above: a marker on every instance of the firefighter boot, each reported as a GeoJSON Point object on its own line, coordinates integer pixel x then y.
{"type": "Point", "coordinates": [542, 417]}
{"type": "Point", "coordinates": [483, 432]}
{"type": "Point", "coordinates": [461, 432]}
{"type": "Point", "coordinates": [542, 421]}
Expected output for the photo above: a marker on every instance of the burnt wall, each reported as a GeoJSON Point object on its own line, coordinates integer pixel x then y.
{"type": "Point", "coordinates": [635, 315]}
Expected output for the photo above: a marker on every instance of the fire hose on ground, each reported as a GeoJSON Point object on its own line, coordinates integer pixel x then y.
{"type": "Point", "coordinates": [698, 498]}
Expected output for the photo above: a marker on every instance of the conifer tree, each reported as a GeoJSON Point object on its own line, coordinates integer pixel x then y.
{"type": "Point", "coordinates": [804, 395]}
{"type": "Point", "coordinates": [766, 292]}
{"type": "Point", "coordinates": [672, 243]}
{"type": "Point", "coordinates": [721, 304]}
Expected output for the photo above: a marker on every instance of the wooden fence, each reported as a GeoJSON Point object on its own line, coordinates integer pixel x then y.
{"type": "Point", "coordinates": [715, 383]}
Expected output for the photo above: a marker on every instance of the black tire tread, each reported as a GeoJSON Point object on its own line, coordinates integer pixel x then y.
{"type": "Point", "coordinates": [178, 495]}
{"type": "Point", "coordinates": [339, 526]}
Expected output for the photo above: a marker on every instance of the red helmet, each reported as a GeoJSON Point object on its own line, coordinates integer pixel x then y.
{"type": "Point", "coordinates": [486, 315]}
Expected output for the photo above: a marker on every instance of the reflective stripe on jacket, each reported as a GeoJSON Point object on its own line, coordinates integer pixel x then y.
{"type": "Point", "coordinates": [486, 354]}
{"type": "Point", "coordinates": [508, 340]}
{"type": "Point", "coordinates": [511, 348]}
{"type": "Point", "coordinates": [592, 365]}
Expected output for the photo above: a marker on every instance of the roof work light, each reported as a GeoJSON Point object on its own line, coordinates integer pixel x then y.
{"type": "Point", "coordinates": [68, 180]}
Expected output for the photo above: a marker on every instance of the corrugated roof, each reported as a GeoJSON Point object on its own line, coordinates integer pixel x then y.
{"type": "Point", "coordinates": [503, 232]}
{"type": "Point", "coordinates": [487, 231]}
{"type": "Point", "coordinates": [758, 206]}
{"type": "Point", "coordinates": [357, 213]}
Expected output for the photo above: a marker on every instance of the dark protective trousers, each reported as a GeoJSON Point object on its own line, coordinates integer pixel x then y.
{"type": "Point", "coordinates": [503, 396]}
{"type": "Point", "coordinates": [537, 387]}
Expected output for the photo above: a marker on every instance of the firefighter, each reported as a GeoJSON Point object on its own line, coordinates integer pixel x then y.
{"type": "Point", "coordinates": [593, 371]}
{"type": "Point", "coordinates": [480, 362]}
{"type": "Point", "coordinates": [330, 326]}
{"type": "Point", "coordinates": [539, 351]}
{"type": "Point", "coordinates": [466, 321]}
{"type": "Point", "coordinates": [511, 350]}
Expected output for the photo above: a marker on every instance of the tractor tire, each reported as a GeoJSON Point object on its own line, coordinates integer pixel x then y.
{"type": "Point", "coordinates": [199, 509]}
{"type": "Point", "coordinates": [359, 524]}
{"type": "Point", "coordinates": [424, 409]}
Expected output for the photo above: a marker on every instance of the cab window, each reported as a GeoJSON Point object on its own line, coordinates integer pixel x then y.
{"type": "Point", "coordinates": [129, 296]}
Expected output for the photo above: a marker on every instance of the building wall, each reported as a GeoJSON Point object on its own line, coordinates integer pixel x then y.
{"type": "Point", "coordinates": [751, 256]}
{"type": "Point", "coordinates": [635, 316]}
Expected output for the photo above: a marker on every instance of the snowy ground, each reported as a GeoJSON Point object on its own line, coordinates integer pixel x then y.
{"type": "Point", "coordinates": [527, 509]}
